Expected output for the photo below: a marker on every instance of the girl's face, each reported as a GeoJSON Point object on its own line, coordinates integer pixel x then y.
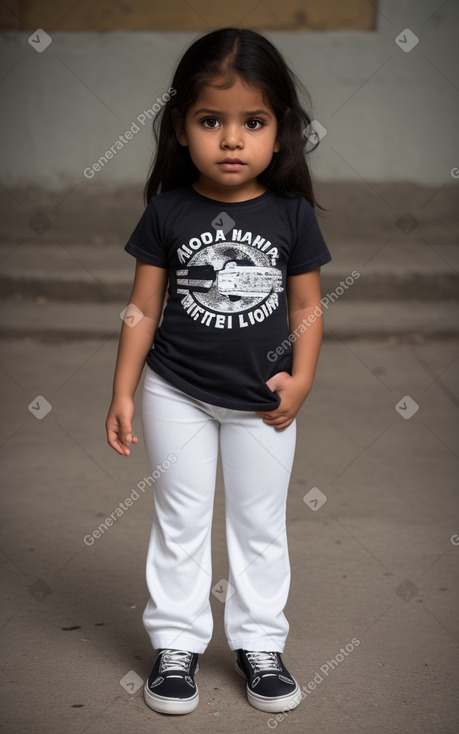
{"type": "Point", "coordinates": [231, 135]}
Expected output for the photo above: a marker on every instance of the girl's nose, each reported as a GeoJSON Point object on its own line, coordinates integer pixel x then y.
{"type": "Point", "coordinates": [231, 138]}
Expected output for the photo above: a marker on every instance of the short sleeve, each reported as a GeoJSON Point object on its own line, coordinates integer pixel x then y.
{"type": "Point", "coordinates": [146, 243]}
{"type": "Point", "coordinates": [309, 250]}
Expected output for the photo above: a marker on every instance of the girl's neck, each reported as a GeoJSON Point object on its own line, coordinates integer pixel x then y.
{"type": "Point", "coordinates": [229, 194]}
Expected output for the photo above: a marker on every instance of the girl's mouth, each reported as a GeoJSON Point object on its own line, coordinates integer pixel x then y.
{"type": "Point", "coordinates": [231, 164]}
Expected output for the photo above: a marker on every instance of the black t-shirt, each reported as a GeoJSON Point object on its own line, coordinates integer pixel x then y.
{"type": "Point", "coordinates": [227, 309]}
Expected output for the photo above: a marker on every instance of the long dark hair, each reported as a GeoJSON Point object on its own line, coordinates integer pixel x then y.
{"type": "Point", "coordinates": [249, 55]}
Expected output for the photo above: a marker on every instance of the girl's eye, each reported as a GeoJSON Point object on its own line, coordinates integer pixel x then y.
{"type": "Point", "coordinates": [210, 122]}
{"type": "Point", "coordinates": [254, 124]}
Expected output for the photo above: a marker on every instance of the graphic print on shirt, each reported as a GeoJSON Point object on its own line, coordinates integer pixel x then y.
{"type": "Point", "coordinates": [229, 284]}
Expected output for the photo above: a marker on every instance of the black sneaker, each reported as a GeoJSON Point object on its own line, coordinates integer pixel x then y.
{"type": "Point", "coordinates": [170, 688]}
{"type": "Point", "coordinates": [270, 687]}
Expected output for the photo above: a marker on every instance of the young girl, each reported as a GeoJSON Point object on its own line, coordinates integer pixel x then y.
{"type": "Point", "coordinates": [230, 227]}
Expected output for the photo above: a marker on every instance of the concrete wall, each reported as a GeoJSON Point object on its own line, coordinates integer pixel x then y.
{"type": "Point", "coordinates": [390, 115]}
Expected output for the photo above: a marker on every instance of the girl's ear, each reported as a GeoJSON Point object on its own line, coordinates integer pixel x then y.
{"type": "Point", "coordinates": [276, 148]}
{"type": "Point", "coordinates": [179, 128]}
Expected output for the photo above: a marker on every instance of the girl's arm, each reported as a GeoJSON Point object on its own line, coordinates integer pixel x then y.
{"type": "Point", "coordinates": [135, 342]}
{"type": "Point", "coordinates": [306, 325]}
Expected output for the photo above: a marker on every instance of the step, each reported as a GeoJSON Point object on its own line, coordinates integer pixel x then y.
{"type": "Point", "coordinates": [343, 320]}
{"type": "Point", "coordinates": [81, 211]}
{"type": "Point", "coordinates": [396, 270]}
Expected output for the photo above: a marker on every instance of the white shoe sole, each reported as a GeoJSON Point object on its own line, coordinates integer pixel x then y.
{"type": "Point", "coordinates": [164, 705]}
{"type": "Point", "coordinates": [272, 705]}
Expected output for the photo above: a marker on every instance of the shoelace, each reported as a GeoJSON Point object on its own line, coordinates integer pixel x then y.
{"type": "Point", "coordinates": [263, 661]}
{"type": "Point", "coordinates": [175, 660]}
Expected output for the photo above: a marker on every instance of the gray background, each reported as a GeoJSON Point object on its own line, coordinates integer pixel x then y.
{"type": "Point", "coordinates": [379, 560]}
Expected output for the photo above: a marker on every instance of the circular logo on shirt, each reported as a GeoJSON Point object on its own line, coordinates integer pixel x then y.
{"type": "Point", "coordinates": [230, 277]}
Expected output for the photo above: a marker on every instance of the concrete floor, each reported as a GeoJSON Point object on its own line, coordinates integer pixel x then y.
{"type": "Point", "coordinates": [377, 563]}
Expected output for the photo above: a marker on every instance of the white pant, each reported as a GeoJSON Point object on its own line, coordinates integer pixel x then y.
{"type": "Point", "coordinates": [257, 462]}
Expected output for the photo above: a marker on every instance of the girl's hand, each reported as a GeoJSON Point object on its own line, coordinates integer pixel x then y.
{"type": "Point", "coordinates": [292, 395]}
{"type": "Point", "coordinates": [119, 425]}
